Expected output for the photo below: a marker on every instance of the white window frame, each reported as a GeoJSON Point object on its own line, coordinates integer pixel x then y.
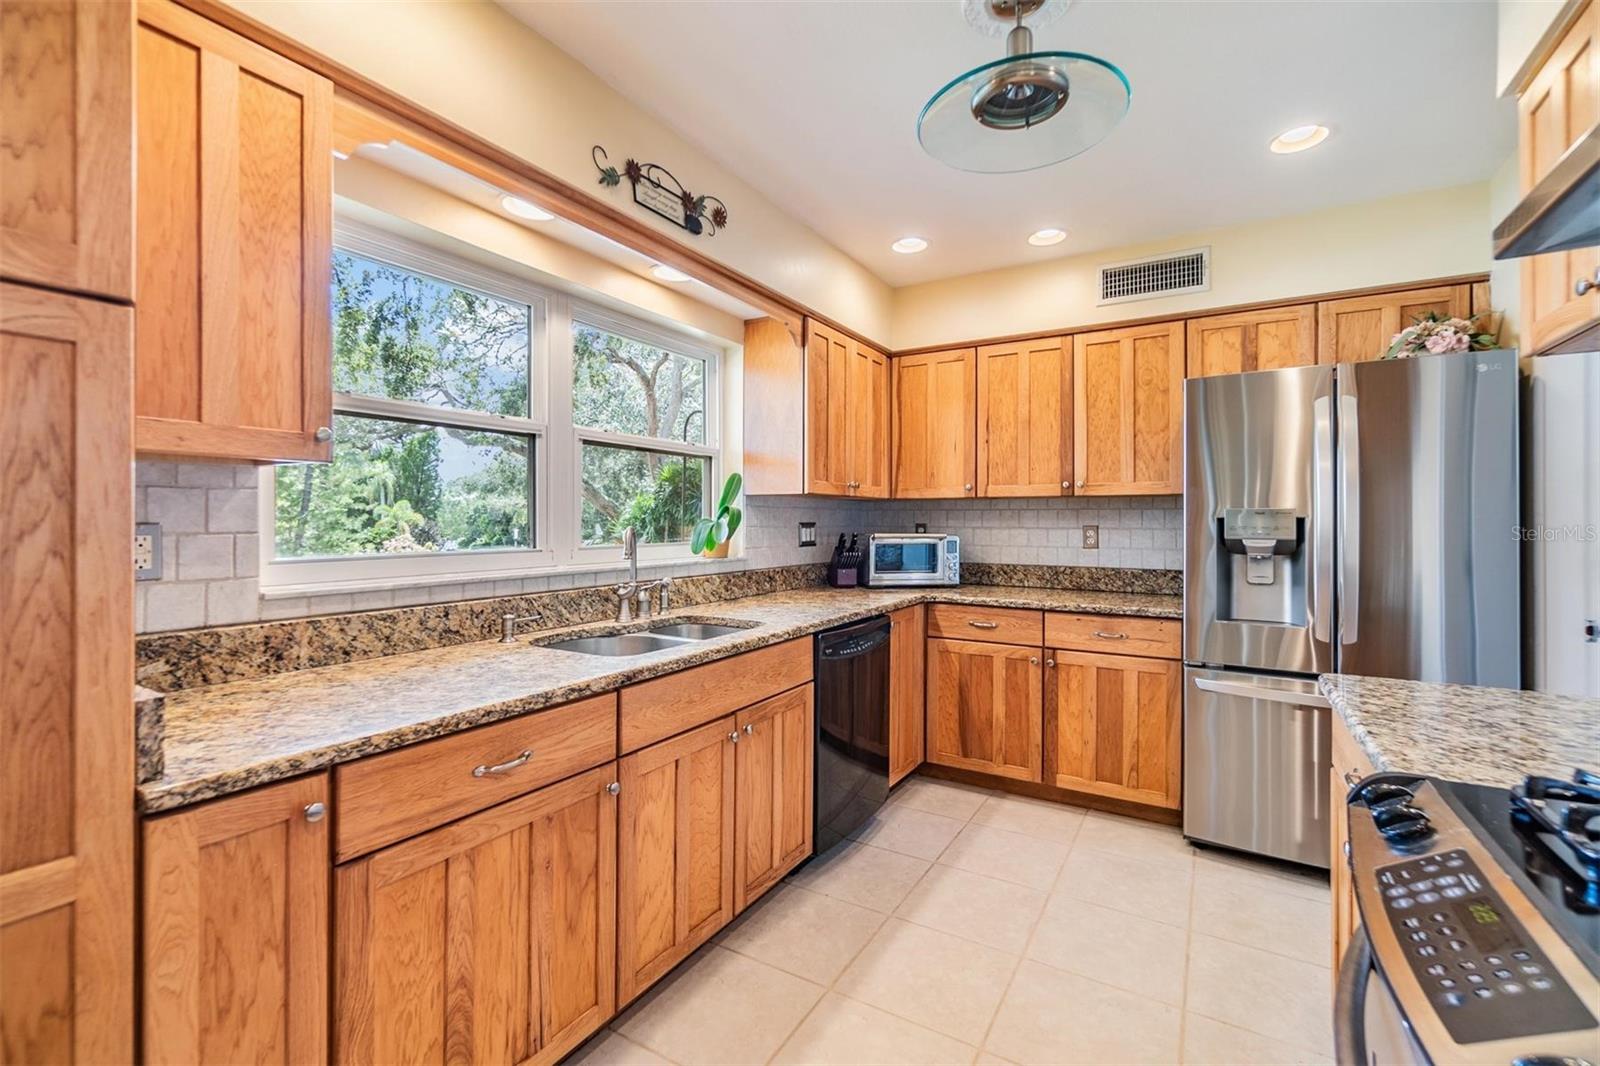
{"type": "Point", "coordinates": [555, 466]}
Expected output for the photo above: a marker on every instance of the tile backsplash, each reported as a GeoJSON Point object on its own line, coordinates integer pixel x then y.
{"type": "Point", "coordinates": [210, 543]}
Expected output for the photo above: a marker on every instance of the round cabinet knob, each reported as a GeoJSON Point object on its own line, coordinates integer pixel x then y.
{"type": "Point", "coordinates": [1080, 484]}
{"type": "Point", "coordinates": [734, 736]}
{"type": "Point", "coordinates": [1583, 286]}
{"type": "Point", "coordinates": [323, 434]}
{"type": "Point", "coordinates": [1066, 484]}
{"type": "Point", "coordinates": [613, 788]}
{"type": "Point", "coordinates": [1050, 663]}
{"type": "Point", "coordinates": [315, 812]}
{"type": "Point", "coordinates": [749, 729]}
{"type": "Point", "coordinates": [1033, 660]}
{"type": "Point", "coordinates": [967, 487]}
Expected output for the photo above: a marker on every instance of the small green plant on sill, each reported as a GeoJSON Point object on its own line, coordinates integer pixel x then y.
{"type": "Point", "coordinates": [711, 535]}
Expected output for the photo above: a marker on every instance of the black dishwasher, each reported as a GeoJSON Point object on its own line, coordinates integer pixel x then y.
{"type": "Point", "coordinates": [852, 691]}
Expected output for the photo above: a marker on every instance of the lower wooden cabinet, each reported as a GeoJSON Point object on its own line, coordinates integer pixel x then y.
{"type": "Point", "coordinates": [234, 964]}
{"type": "Point", "coordinates": [983, 705]}
{"type": "Point", "coordinates": [1113, 726]}
{"type": "Point", "coordinates": [491, 939]}
{"type": "Point", "coordinates": [907, 689]}
{"type": "Point", "coordinates": [772, 808]}
{"type": "Point", "coordinates": [1350, 764]}
{"type": "Point", "coordinates": [675, 854]}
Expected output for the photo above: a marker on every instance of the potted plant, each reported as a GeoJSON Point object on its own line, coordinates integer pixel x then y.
{"type": "Point", "coordinates": [711, 535]}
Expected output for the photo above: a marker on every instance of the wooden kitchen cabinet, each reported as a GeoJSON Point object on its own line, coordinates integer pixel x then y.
{"type": "Point", "coordinates": [1560, 105]}
{"type": "Point", "coordinates": [1025, 418]}
{"type": "Point", "coordinates": [983, 708]}
{"type": "Point", "coordinates": [907, 689]}
{"type": "Point", "coordinates": [1128, 410]}
{"type": "Point", "coordinates": [1359, 328]}
{"type": "Point", "coordinates": [1253, 340]}
{"type": "Point", "coordinates": [847, 415]}
{"type": "Point", "coordinates": [66, 667]}
{"type": "Point", "coordinates": [935, 431]}
{"type": "Point", "coordinates": [235, 946]}
{"type": "Point", "coordinates": [234, 245]}
{"type": "Point", "coordinates": [675, 868]}
{"type": "Point", "coordinates": [1113, 726]}
{"type": "Point", "coordinates": [869, 414]}
{"type": "Point", "coordinates": [491, 939]}
{"type": "Point", "coordinates": [772, 805]}
{"type": "Point", "coordinates": [66, 135]}
{"type": "Point", "coordinates": [1350, 765]}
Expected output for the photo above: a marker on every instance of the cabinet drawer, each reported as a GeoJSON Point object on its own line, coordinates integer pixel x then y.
{"type": "Point", "coordinates": [666, 706]}
{"type": "Point", "coordinates": [1002, 625]}
{"type": "Point", "coordinates": [397, 795]}
{"type": "Point", "coordinates": [1116, 634]}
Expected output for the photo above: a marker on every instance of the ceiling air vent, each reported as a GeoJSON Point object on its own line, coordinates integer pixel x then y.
{"type": "Point", "coordinates": [1158, 275]}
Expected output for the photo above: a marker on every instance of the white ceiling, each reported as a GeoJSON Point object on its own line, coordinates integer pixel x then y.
{"type": "Point", "coordinates": [816, 103]}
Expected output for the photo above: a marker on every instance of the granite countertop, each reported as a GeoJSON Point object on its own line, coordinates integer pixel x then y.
{"type": "Point", "coordinates": [225, 738]}
{"type": "Point", "coordinates": [1490, 736]}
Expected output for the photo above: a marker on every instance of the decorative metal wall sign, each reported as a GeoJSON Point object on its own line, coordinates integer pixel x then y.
{"type": "Point", "coordinates": [655, 189]}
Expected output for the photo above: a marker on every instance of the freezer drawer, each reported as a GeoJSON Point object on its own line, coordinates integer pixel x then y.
{"type": "Point", "coordinates": [1256, 758]}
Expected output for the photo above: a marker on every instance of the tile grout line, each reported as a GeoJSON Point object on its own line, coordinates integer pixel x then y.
{"type": "Point", "coordinates": [1188, 947]}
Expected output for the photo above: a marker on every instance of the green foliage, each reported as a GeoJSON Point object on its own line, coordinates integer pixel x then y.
{"type": "Point", "coordinates": [724, 521]}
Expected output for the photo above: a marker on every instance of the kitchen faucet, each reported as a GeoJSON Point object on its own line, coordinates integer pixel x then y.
{"type": "Point", "coordinates": [631, 592]}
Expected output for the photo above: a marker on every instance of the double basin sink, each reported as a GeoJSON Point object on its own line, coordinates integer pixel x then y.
{"type": "Point", "coordinates": [656, 638]}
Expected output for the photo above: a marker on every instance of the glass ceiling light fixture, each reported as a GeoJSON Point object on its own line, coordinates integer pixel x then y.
{"type": "Point", "coordinates": [1028, 110]}
{"type": "Point", "coordinates": [909, 245]}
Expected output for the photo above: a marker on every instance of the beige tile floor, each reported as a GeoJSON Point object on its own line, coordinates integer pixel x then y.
{"type": "Point", "coordinates": [967, 926]}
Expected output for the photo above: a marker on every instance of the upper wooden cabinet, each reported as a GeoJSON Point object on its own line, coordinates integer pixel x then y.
{"type": "Point", "coordinates": [1253, 340]}
{"type": "Point", "coordinates": [491, 939]}
{"type": "Point", "coordinates": [234, 252]}
{"type": "Point", "coordinates": [66, 666]}
{"type": "Point", "coordinates": [1113, 726]}
{"type": "Point", "coordinates": [935, 446]}
{"type": "Point", "coordinates": [1559, 106]}
{"type": "Point", "coordinates": [1025, 418]}
{"type": "Point", "coordinates": [907, 673]}
{"type": "Point", "coordinates": [1128, 411]}
{"type": "Point", "coordinates": [235, 965]}
{"type": "Point", "coordinates": [1360, 328]}
{"type": "Point", "coordinates": [984, 708]}
{"type": "Point", "coordinates": [847, 415]}
{"type": "Point", "coordinates": [66, 135]}
{"type": "Point", "coordinates": [772, 772]}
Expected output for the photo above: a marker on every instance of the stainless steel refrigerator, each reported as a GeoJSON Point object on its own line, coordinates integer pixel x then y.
{"type": "Point", "coordinates": [1356, 519]}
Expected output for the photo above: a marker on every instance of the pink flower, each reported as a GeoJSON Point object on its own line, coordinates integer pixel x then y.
{"type": "Point", "coordinates": [1463, 342]}
{"type": "Point", "coordinates": [1441, 342]}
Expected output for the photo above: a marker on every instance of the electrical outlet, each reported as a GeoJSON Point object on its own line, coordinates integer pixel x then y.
{"type": "Point", "coordinates": [808, 534]}
{"type": "Point", "coordinates": [147, 551]}
{"type": "Point", "coordinates": [922, 527]}
{"type": "Point", "coordinates": [1091, 536]}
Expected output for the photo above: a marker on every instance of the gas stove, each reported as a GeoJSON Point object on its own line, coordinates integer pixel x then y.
{"type": "Point", "coordinates": [1481, 921]}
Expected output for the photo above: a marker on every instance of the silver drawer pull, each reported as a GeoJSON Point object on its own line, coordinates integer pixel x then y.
{"type": "Point", "coordinates": [983, 625]}
{"type": "Point", "coordinates": [1103, 635]}
{"type": "Point", "coordinates": [503, 768]}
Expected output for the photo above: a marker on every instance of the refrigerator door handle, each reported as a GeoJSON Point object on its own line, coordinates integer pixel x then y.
{"type": "Point", "coordinates": [1322, 523]}
{"type": "Point", "coordinates": [1261, 692]}
{"type": "Point", "coordinates": [1349, 504]}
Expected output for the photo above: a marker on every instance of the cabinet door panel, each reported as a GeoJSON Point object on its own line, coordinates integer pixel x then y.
{"type": "Point", "coordinates": [935, 450]}
{"type": "Point", "coordinates": [1025, 419]}
{"type": "Point", "coordinates": [773, 762]}
{"type": "Point", "coordinates": [828, 365]}
{"type": "Point", "coordinates": [869, 423]}
{"type": "Point", "coordinates": [234, 245]}
{"type": "Point", "coordinates": [1253, 340]}
{"type": "Point", "coordinates": [984, 708]}
{"type": "Point", "coordinates": [1360, 328]}
{"type": "Point", "coordinates": [488, 940]}
{"type": "Point", "coordinates": [676, 858]}
{"type": "Point", "coordinates": [1128, 402]}
{"type": "Point", "coordinates": [908, 652]}
{"type": "Point", "coordinates": [1114, 726]}
{"type": "Point", "coordinates": [66, 134]}
{"type": "Point", "coordinates": [236, 929]}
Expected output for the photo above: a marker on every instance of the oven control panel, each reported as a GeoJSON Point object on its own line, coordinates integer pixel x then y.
{"type": "Point", "coordinates": [1483, 973]}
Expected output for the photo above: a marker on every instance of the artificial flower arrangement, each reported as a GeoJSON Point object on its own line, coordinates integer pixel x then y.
{"type": "Point", "coordinates": [1434, 334]}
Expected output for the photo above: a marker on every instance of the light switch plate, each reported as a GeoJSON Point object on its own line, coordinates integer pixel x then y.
{"type": "Point", "coordinates": [1091, 536]}
{"type": "Point", "coordinates": [147, 551]}
{"type": "Point", "coordinates": [808, 534]}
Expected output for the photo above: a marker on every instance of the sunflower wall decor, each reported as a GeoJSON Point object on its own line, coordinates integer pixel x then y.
{"type": "Point", "coordinates": [656, 190]}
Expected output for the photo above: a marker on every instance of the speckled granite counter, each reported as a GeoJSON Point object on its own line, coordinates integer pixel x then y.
{"type": "Point", "coordinates": [225, 738]}
{"type": "Point", "coordinates": [1492, 736]}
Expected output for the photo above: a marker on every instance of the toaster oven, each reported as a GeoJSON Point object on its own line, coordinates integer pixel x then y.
{"type": "Point", "coordinates": [902, 559]}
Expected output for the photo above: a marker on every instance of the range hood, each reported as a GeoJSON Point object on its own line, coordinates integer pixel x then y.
{"type": "Point", "coordinates": [1559, 213]}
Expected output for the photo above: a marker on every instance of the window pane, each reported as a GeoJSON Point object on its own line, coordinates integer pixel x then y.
{"type": "Point", "coordinates": [624, 386]}
{"type": "Point", "coordinates": [404, 336]}
{"type": "Point", "coordinates": [660, 495]}
{"type": "Point", "coordinates": [405, 487]}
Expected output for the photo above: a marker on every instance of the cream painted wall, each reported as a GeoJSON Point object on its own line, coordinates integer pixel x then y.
{"type": "Point", "coordinates": [1519, 24]}
{"type": "Point", "coordinates": [1505, 275]}
{"type": "Point", "coordinates": [539, 103]}
{"type": "Point", "coordinates": [1404, 238]}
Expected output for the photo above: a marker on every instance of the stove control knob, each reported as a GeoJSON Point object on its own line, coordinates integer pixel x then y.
{"type": "Point", "coordinates": [1401, 822]}
{"type": "Point", "coordinates": [1383, 792]}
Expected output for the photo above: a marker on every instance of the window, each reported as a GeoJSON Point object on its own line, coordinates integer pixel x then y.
{"type": "Point", "coordinates": [455, 458]}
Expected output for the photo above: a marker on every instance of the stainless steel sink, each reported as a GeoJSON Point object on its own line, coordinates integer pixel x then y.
{"type": "Point", "coordinates": [695, 630]}
{"type": "Point", "coordinates": [619, 644]}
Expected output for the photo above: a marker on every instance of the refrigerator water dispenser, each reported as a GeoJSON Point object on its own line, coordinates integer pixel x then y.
{"type": "Point", "coordinates": [1262, 571]}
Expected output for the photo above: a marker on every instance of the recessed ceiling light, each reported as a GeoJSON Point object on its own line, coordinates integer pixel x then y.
{"type": "Point", "coordinates": [909, 245]}
{"type": "Point", "coordinates": [516, 205]}
{"type": "Point", "coordinates": [1299, 139]}
{"type": "Point", "coordinates": [1046, 237]}
{"type": "Point", "coordinates": [666, 273]}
